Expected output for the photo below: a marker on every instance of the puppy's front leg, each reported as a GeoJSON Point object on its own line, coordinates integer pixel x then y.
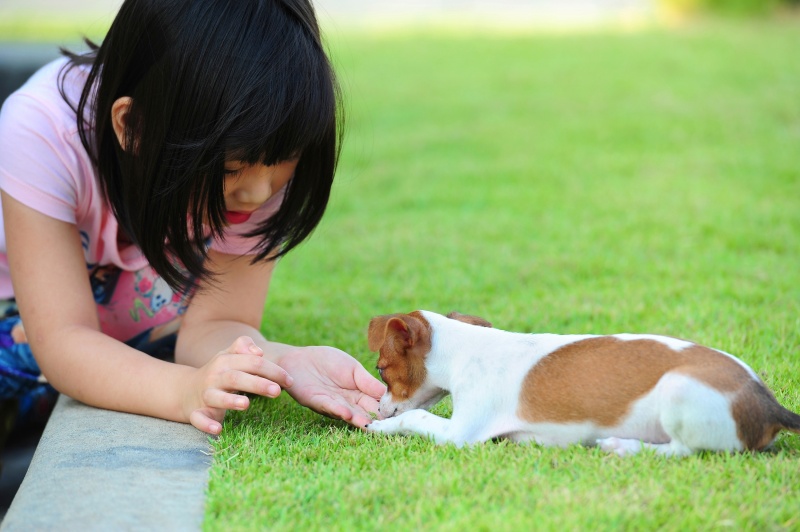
{"type": "Point", "coordinates": [417, 421]}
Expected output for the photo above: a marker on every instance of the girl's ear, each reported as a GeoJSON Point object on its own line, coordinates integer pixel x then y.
{"type": "Point", "coordinates": [119, 118]}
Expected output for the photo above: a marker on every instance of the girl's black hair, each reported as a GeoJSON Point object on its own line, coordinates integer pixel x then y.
{"type": "Point", "coordinates": [210, 80]}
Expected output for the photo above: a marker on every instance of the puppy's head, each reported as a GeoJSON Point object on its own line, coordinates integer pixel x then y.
{"type": "Point", "coordinates": [404, 342]}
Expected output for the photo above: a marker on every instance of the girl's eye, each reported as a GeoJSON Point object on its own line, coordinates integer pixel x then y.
{"type": "Point", "coordinates": [232, 172]}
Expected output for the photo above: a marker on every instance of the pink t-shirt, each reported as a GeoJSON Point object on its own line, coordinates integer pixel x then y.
{"type": "Point", "coordinates": [44, 165]}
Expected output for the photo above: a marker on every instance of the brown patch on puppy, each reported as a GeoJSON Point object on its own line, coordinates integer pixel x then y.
{"type": "Point", "coordinates": [472, 320]}
{"type": "Point", "coordinates": [403, 340]}
{"type": "Point", "coordinates": [719, 371]}
{"type": "Point", "coordinates": [598, 379]}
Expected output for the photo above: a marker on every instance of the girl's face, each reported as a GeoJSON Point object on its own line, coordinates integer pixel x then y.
{"type": "Point", "coordinates": [248, 186]}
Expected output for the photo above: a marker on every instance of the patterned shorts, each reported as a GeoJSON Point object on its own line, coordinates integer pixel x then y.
{"type": "Point", "coordinates": [26, 399]}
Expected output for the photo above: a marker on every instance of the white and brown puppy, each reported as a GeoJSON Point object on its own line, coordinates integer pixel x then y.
{"type": "Point", "coordinates": [623, 392]}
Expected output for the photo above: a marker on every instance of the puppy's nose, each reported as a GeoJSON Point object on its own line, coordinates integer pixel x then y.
{"type": "Point", "coordinates": [386, 410]}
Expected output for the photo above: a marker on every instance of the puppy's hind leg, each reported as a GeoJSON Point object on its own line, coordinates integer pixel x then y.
{"type": "Point", "coordinates": [695, 417]}
{"type": "Point", "coordinates": [627, 447]}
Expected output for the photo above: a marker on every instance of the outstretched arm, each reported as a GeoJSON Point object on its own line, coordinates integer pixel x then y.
{"type": "Point", "coordinates": [51, 286]}
{"type": "Point", "coordinates": [325, 379]}
{"type": "Point", "coordinates": [220, 350]}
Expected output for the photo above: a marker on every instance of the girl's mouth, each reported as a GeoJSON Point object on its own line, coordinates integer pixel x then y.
{"type": "Point", "coordinates": [234, 217]}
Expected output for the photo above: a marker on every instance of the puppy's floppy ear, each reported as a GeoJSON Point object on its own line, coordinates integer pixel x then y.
{"type": "Point", "coordinates": [472, 320]}
{"type": "Point", "coordinates": [403, 328]}
{"type": "Point", "coordinates": [376, 335]}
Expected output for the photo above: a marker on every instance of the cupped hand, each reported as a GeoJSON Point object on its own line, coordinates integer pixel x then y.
{"type": "Point", "coordinates": [215, 387]}
{"type": "Point", "coordinates": [333, 383]}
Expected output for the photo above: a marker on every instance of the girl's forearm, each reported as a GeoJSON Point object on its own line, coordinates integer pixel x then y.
{"type": "Point", "coordinates": [199, 342]}
{"type": "Point", "coordinates": [95, 369]}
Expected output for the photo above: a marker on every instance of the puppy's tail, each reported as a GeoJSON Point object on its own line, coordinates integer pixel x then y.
{"type": "Point", "coordinates": [762, 417]}
{"type": "Point", "coordinates": [789, 420]}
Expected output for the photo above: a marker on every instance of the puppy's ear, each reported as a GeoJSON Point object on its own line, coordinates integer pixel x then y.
{"type": "Point", "coordinates": [472, 320]}
{"type": "Point", "coordinates": [405, 330]}
{"type": "Point", "coordinates": [376, 335]}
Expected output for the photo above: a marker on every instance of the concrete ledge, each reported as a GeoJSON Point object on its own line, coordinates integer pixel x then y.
{"type": "Point", "coordinates": [101, 470]}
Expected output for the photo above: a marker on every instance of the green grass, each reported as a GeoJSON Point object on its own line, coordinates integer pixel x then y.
{"type": "Point", "coordinates": [581, 183]}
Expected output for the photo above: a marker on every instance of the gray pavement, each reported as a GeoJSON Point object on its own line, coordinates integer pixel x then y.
{"type": "Point", "coordinates": [100, 470]}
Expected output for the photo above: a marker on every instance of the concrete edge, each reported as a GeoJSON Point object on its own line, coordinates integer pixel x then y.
{"type": "Point", "coordinates": [96, 469]}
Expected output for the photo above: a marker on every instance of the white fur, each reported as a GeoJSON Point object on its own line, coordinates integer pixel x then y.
{"type": "Point", "coordinates": [484, 368]}
{"type": "Point", "coordinates": [673, 343]}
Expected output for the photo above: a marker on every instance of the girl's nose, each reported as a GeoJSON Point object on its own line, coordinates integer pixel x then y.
{"type": "Point", "coordinates": [249, 186]}
{"type": "Point", "coordinates": [254, 186]}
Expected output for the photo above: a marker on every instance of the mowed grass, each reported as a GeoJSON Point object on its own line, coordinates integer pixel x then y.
{"type": "Point", "coordinates": [570, 184]}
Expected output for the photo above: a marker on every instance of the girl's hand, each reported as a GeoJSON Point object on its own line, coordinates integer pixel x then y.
{"type": "Point", "coordinates": [333, 383]}
{"type": "Point", "coordinates": [215, 386]}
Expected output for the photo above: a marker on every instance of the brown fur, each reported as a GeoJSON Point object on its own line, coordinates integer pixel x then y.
{"type": "Point", "coordinates": [598, 379]}
{"type": "Point", "coordinates": [403, 340]}
{"type": "Point", "coordinates": [466, 318]}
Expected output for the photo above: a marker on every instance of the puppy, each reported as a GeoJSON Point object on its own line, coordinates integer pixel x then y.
{"type": "Point", "coordinates": [624, 392]}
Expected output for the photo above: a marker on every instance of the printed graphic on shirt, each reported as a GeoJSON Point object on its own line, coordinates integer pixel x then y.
{"type": "Point", "coordinates": [130, 303]}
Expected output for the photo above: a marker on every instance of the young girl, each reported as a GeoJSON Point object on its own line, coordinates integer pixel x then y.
{"type": "Point", "coordinates": [148, 187]}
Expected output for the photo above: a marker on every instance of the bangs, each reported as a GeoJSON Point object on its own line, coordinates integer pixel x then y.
{"type": "Point", "coordinates": [275, 130]}
{"type": "Point", "coordinates": [280, 121]}
{"type": "Point", "coordinates": [277, 98]}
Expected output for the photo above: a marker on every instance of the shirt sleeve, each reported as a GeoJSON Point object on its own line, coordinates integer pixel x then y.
{"type": "Point", "coordinates": [234, 242]}
{"type": "Point", "coordinates": [39, 165]}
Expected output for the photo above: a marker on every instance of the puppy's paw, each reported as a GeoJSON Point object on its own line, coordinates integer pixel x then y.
{"type": "Point", "coordinates": [619, 446]}
{"type": "Point", "coordinates": [416, 421]}
{"type": "Point", "coordinates": [384, 426]}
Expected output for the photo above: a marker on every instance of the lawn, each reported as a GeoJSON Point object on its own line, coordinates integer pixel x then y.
{"type": "Point", "coordinates": [592, 183]}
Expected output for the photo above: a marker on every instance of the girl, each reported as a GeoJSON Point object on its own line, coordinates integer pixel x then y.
{"type": "Point", "coordinates": [149, 187]}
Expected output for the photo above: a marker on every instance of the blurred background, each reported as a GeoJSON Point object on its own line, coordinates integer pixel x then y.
{"type": "Point", "coordinates": [48, 20]}
{"type": "Point", "coordinates": [30, 28]}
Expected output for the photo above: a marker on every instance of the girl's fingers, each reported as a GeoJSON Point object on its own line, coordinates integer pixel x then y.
{"type": "Point", "coordinates": [244, 344]}
{"type": "Point", "coordinates": [331, 408]}
{"type": "Point", "coordinates": [367, 383]}
{"type": "Point", "coordinates": [360, 421]}
{"type": "Point", "coordinates": [368, 404]}
{"type": "Point", "coordinates": [225, 400]}
{"type": "Point", "coordinates": [202, 422]}
{"type": "Point", "coordinates": [357, 416]}
{"type": "Point", "coordinates": [240, 381]}
{"type": "Point", "coordinates": [256, 366]}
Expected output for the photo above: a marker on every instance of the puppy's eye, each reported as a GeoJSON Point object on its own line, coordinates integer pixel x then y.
{"type": "Point", "coordinates": [380, 372]}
